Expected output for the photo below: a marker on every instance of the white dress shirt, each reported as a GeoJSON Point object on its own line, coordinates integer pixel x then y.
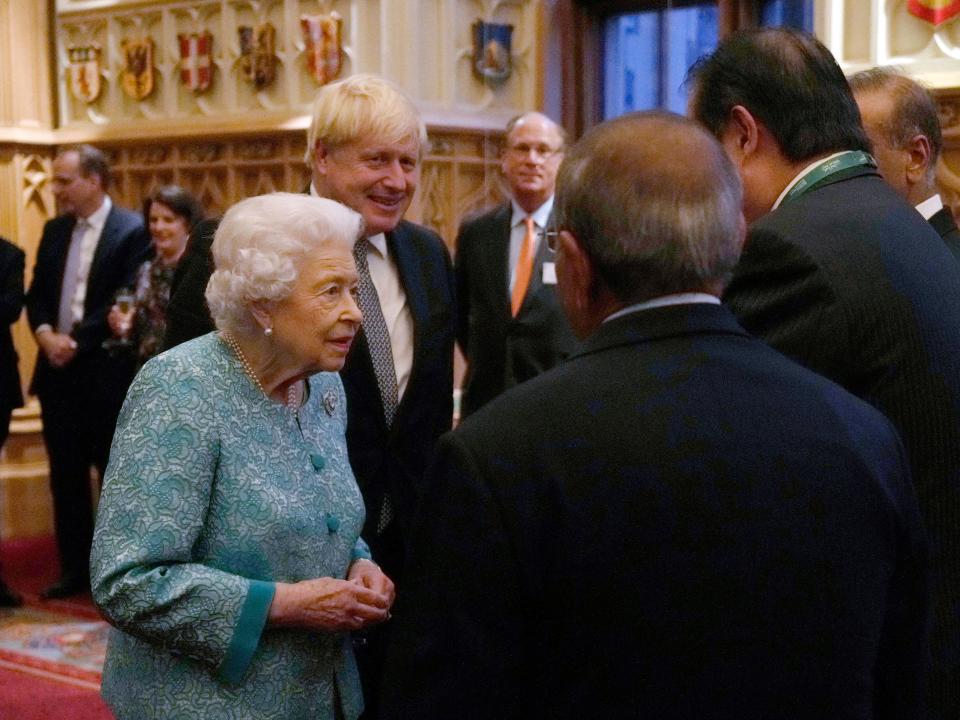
{"type": "Point", "coordinates": [91, 237]}
{"type": "Point", "coordinates": [931, 206]}
{"type": "Point", "coordinates": [664, 301]}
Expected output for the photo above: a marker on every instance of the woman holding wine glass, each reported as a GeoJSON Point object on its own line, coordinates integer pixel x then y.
{"type": "Point", "coordinates": [138, 319]}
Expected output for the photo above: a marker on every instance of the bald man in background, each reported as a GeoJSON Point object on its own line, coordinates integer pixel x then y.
{"type": "Point", "coordinates": [900, 118]}
{"type": "Point", "coordinates": [509, 323]}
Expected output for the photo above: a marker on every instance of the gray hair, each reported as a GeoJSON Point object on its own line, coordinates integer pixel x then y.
{"type": "Point", "coordinates": [259, 246]}
{"type": "Point", "coordinates": [655, 203]}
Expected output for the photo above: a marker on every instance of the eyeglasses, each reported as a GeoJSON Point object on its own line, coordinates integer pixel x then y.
{"type": "Point", "coordinates": [550, 238]}
{"type": "Point", "coordinates": [522, 150]}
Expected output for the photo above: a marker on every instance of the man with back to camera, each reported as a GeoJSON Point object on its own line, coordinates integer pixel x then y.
{"type": "Point", "coordinates": [510, 325]}
{"type": "Point", "coordinates": [86, 254]}
{"type": "Point", "coordinates": [11, 396]}
{"type": "Point", "coordinates": [900, 118]}
{"type": "Point", "coordinates": [364, 148]}
{"type": "Point", "coordinates": [844, 276]}
{"type": "Point", "coordinates": [678, 521]}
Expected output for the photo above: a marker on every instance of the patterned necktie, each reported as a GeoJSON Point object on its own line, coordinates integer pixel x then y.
{"type": "Point", "coordinates": [381, 352]}
{"type": "Point", "coordinates": [524, 268]}
{"type": "Point", "coordinates": [71, 278]}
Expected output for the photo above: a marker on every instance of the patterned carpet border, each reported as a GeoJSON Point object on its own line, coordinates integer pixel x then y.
{"type": "Point", "coordinates": [53, 645]}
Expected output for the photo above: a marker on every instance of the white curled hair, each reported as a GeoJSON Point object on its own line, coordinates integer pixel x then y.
{"type": "Point", "coordinates": [259, 246]}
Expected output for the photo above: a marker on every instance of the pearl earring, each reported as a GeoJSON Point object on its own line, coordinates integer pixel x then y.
{"type": "Point", "coordinates": [268, 331]}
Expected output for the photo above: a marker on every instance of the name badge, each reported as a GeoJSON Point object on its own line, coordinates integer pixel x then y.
{"type": "Point", "coordinates": [549, 273]}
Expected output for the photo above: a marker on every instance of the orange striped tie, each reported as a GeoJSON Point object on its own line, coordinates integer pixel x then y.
{"type": "Point", "coordinates": [524, 268]}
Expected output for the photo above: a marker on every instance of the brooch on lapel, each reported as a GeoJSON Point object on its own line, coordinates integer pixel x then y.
{"type": "Point", "coordinates": [330, 401]}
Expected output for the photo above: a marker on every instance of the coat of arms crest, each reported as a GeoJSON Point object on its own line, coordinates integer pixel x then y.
{"type": "Point", "coordinates": [136, 78]}
{"type": "Point", "coordinates": [491, 51]}
{"type": "Point", "coordinates": [322, 34]}
{"type": "Point", "coordinates": [84, 71]}
{"type": "Point", "coordinates": [258, 61]}
{"type": "Point", "coordinates": [196, 61]}
{"type": "Point", "coordinates": [935, 12]}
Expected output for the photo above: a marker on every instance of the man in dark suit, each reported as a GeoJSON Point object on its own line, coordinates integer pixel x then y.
{"type": "Point", "coordinates": [677, 522]}
{"type": "Point", "coordinates": [844, 276]}
{"type": "Point", "coordinates": [11, 396]}
{"type": "Point", "coordinates": [510, 325]}
{"type": "Point", "coordinates": [364, 149]}
{"type": "Point", "coordinates": [86, 254]}
{"type": "Point", "coordinates": [900, 118]}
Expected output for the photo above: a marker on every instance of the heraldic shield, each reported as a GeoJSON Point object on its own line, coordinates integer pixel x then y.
{"type": "Point", "coordinates": [196, 61]}
{"type": "Point", "coordinates": [84, 71]}
{"type": "Point", "coordinates": [136, 78]}
{"type": "Point", "coordinates": [935, 12]}
{"type": "Point", "coordinates": [322, 35]}
{"type": "Point", "coordinates": [491, 51]}
{"type": "Point", "coordinates": [257, 60]}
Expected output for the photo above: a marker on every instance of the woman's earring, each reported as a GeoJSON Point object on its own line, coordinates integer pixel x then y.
{"type": "Point", "coordinates": [268, 331]}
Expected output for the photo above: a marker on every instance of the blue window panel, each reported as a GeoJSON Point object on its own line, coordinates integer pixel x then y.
{"type": "Point", "coordinates": [790, 13]}
{"type": "Point", "coordinates": [691, 33]}
{"type": "Point", "coordinates": [631, 63]}
{"type": "Point", "coordinates": [646, 56]}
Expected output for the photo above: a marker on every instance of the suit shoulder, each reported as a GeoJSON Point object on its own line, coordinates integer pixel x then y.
{"type": "Point", "coordinates": [127, 218]}
{"type": "Point", "coordinates": [11, 250]}
{"type": "Point", "coordinates": [426, 240]}
{"type": "Point", "coordinates": [484, 216]}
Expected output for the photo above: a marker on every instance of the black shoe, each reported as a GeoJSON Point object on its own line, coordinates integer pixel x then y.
{"type": "Point", "coordinates": [65, 587]}
{"type": "Point", "coordinates": [8, 598]}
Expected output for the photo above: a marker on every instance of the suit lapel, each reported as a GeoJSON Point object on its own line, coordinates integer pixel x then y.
{"type": "Point", "coordinates": [403, 248]}
{"type": "Point", "coordinates": [60, 258]}
{"type": "Point", "coordinates": [943, 221]}
{"type": "Point", "coordinates": [497, 258]}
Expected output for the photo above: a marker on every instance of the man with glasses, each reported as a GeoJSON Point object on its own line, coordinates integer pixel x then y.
{"type": "Point", "coordinates": [510, 325]}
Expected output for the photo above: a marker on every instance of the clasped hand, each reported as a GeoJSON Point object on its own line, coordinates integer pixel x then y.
{"type": "Point", "coordinates": [333, 605]}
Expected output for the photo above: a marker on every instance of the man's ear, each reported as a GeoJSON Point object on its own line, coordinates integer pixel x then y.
{"type": "Point", "coordinates": [741, 135]}
{"type": "Point", "coordinates": [321, 156]}
{"type": "Point", "coordinates": [918, 158]}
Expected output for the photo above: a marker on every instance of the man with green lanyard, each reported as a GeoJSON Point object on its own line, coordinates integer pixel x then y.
{"type": "Point", "coordinates": [845, 277]}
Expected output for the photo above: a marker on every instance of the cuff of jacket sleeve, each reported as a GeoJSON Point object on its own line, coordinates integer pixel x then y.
{"type": "Point", "coordinates": [246, 636]}
{"type": "Point", "coordinates": [360, 552]}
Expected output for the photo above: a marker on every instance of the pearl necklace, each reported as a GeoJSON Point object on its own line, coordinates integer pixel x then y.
{"type": "Point", "coordinates": [292, 405]}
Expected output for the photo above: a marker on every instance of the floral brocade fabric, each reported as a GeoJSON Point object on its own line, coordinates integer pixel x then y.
{"type": "Point", "coordinates": [213, 494]}
{"type": "Point", "coordinates": [151, 296]}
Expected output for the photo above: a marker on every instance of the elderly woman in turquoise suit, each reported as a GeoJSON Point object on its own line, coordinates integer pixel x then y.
{"type": "Point", "coordinates": [227, 552]}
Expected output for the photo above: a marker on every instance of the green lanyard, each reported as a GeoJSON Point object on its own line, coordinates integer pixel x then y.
{"type": "Point", "coordinates": [845, 161]}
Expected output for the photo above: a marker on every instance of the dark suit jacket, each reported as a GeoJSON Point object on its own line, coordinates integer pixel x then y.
{"type": "Point", "coordinates": [501, 350]}
{"type": "Point", "coordinates": [677, 522]}
{"type": "Point", "coordinates": [852, 282]}
{"type": "Point", "coordinates": [11, 303]}
{"type": "Point", "coordinates": [122, 248]}
{"type": "Point", "coordinates": [946, 227]}
{"type": "Point", "coordinates": [384, 461]}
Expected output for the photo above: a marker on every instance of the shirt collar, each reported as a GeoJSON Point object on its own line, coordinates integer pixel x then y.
{"type": "Point", "coordinates": [806, 171]}
{"type": "Point", "coordinates": [664, 301]}
{"type": "Point", "coordinates": [931, 206]}
{"type": "Point", "coordinates": [379, 242]}
{"type": "Point", "coordinates": [98, 218]}
{"type": "Point", "coordinates": [540, 216]}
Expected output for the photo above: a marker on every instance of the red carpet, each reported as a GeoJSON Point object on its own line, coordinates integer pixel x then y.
{"type": "Point", "coordinates": [37, 689]}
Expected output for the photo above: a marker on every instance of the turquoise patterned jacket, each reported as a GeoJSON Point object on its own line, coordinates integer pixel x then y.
{"type": "Point", "coordinates": [211, 495]}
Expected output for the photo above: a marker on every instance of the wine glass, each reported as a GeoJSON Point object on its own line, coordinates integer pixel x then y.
{"type": "Point", "coordinates": [124, 303]}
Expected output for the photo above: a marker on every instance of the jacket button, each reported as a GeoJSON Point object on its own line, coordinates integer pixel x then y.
{"type": "Point", "coordinates": [318, 462]}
